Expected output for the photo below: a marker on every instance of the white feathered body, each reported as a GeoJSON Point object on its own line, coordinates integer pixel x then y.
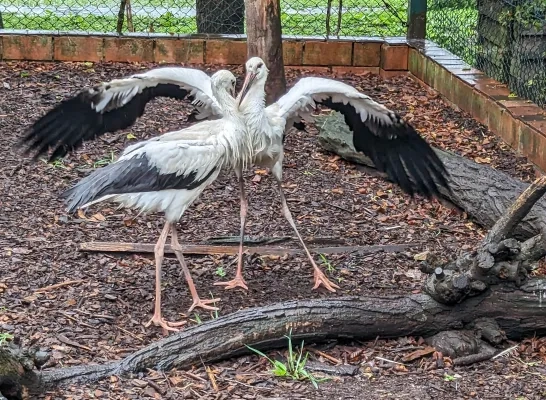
{"type": "Point", "coordinates": [204, 150]}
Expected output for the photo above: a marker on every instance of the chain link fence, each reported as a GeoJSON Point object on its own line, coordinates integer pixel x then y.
{"type": "Point", "coordinates": [322, 18]}
{"type": "Point", "coordinates": [506, 39]}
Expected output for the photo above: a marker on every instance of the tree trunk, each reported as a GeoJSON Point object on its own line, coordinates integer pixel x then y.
{"type": "Point", "coordinates": [264, 40]}
{"type": "Point", "coordinates": [482, 192]}
{"type": "Point", "coordinates": [220, 16]}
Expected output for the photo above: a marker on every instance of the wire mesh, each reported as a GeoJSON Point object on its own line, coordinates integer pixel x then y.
{"type": "Point", "coordinates": [506, 39]}
{"type": "Point", "coordinates": [322, 18]}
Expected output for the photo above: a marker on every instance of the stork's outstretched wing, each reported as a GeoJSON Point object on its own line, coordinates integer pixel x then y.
{"type": "Point", "coordinates": [393, 145]}
{"type": "Point", "coordinates": [115, 105]}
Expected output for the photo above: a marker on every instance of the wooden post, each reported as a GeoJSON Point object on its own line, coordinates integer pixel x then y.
{"type": "Point", "coordinates": [121, 16]}
{"type": "Point", "coordinates": [417, 19]}
{"type": "Point", "coordinates": [264, 40]}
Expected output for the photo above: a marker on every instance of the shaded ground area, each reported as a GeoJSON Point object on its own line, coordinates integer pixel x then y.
{"type": "Point", "coordinates": [100, 315]}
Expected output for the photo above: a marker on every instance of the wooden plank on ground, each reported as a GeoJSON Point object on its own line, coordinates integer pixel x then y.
{"type": "Point", "coordinates": [233, 250]}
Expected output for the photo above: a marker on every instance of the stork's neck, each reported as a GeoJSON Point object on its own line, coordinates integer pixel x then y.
{"type": "Point", "coordinates": [226, 102]}
{"type": "Point", "coordinates": [253, 107]}
{"type": "Point", "coordinates": [254, 101]}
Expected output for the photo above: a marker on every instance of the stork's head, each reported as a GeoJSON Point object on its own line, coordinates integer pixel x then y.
{"type": "Point", "coordinates": [256, 72]}
{"type": "Point", "coordinates": [224, 80]}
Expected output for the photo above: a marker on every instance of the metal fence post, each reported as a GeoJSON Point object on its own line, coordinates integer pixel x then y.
{"type": "Point", "coordinates": [417, 19]}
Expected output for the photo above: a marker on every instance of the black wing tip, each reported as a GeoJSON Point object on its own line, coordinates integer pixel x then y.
{"type": "Point", "coordinates": [397, 149]}
{"type": "Point", "coordinates": [71, 122]}
{"type": "Point", "coordinates": [428, 173]}
{"type": "Point", "coordinates": [300, 126]}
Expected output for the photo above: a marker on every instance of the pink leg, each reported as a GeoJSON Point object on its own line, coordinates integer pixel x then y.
{"type": "Point", "coordinates": [320, 278]}
{"type": "Point", "coordinates": [238, 281]}
{"type": "Point", "coordinates": [159, 251]}
{"type": "Point", "coordinates": [197, 302]}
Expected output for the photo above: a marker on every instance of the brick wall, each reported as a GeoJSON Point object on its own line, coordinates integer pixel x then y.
{"type": "Point", "coordinates": [386, 57]}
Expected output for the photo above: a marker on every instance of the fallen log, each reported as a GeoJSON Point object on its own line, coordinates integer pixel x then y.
{"type": "Point", "coordinates": [482, 192]}
{"type": "Point", "coordinates": [517, 311]}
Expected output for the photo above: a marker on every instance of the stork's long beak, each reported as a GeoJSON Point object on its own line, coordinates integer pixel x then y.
{"type": "Point", "coordinates": [249, 80]}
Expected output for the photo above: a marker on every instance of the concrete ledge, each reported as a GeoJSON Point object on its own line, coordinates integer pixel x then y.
{"type": "Point", "coordinates": [357, 55]}
{"type": "Point", "coordinates": [519, 122]}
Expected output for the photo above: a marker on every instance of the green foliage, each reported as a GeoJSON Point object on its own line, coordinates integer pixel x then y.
{"type": "Point", "coordinates": [5, 337]}
{"type": "Point", "coordinates": [295, 364]}
{"type": "Point", "coordinates": [329, 267]}
{"type": "Point", "coordinates": [530, 13]}
{"type": "Point", "coordinates": [104, 161]}
{"type": "Point", "coordinates": [360, 17]}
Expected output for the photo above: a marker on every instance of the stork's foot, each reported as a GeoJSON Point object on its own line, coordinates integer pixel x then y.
{"type": "Point", "coordinates": [238, 281]}
{"type": "Point", "coordinates": [321, 279]}
{"type": "Point", "coordinates": [203, 304]}
{"type": "Point", "coordinates": [167, 326]}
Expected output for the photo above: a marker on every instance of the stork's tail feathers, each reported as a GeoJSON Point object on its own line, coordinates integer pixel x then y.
{"type": "Point", "coordinates": [92, 188]}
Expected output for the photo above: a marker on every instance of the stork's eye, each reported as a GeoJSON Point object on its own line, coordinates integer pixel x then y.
{"type": "Point", "coordinates": [260, 65]}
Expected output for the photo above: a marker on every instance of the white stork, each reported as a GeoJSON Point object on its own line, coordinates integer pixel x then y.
{"type": "Point", "coordinates": [393, 145]}
{"type": "Point", "coordinates": [168, 173]}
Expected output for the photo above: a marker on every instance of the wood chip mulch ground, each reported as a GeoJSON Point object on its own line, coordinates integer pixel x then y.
{"type": "Point", "coordinates": [99, 316]}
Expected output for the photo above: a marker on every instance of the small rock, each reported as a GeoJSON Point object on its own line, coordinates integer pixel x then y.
{"type": "Point", "coordinates": [40, 358]}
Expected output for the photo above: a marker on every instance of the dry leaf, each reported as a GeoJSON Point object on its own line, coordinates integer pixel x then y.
{"type": "Point", "coordinates": [256, 179]}
{"type": "Point", "coordinates": [421, 256]}
{"type": "Point", "coordinates": [261, 172]}
{"type": "Point", "coordinates": [400, 368]}
{"type": "Point", "coordinates": [485, 160]}
{"type": "Point", "coordinates": [71, 302]}
{"type": "Point", "coordinates": [176, 380]}
{"type": "Point", "coordinates": [414, 274]}
{"type": "Point", "coordinates": [98, 217]}
{"type": "Point", "coordinates": [29, 299]}
{"type": "Point", "coordinates": [337, 191]}
{"type": "Point", "coordinates": [418, 354]}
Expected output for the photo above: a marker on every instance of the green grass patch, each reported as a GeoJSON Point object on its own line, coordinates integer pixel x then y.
{"type": "Point", "coordinates": [176, 4]}
{"type": "Point", "coordinates": [359, 24]}
{"type": "Point", "coordinates": [450, 27]}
